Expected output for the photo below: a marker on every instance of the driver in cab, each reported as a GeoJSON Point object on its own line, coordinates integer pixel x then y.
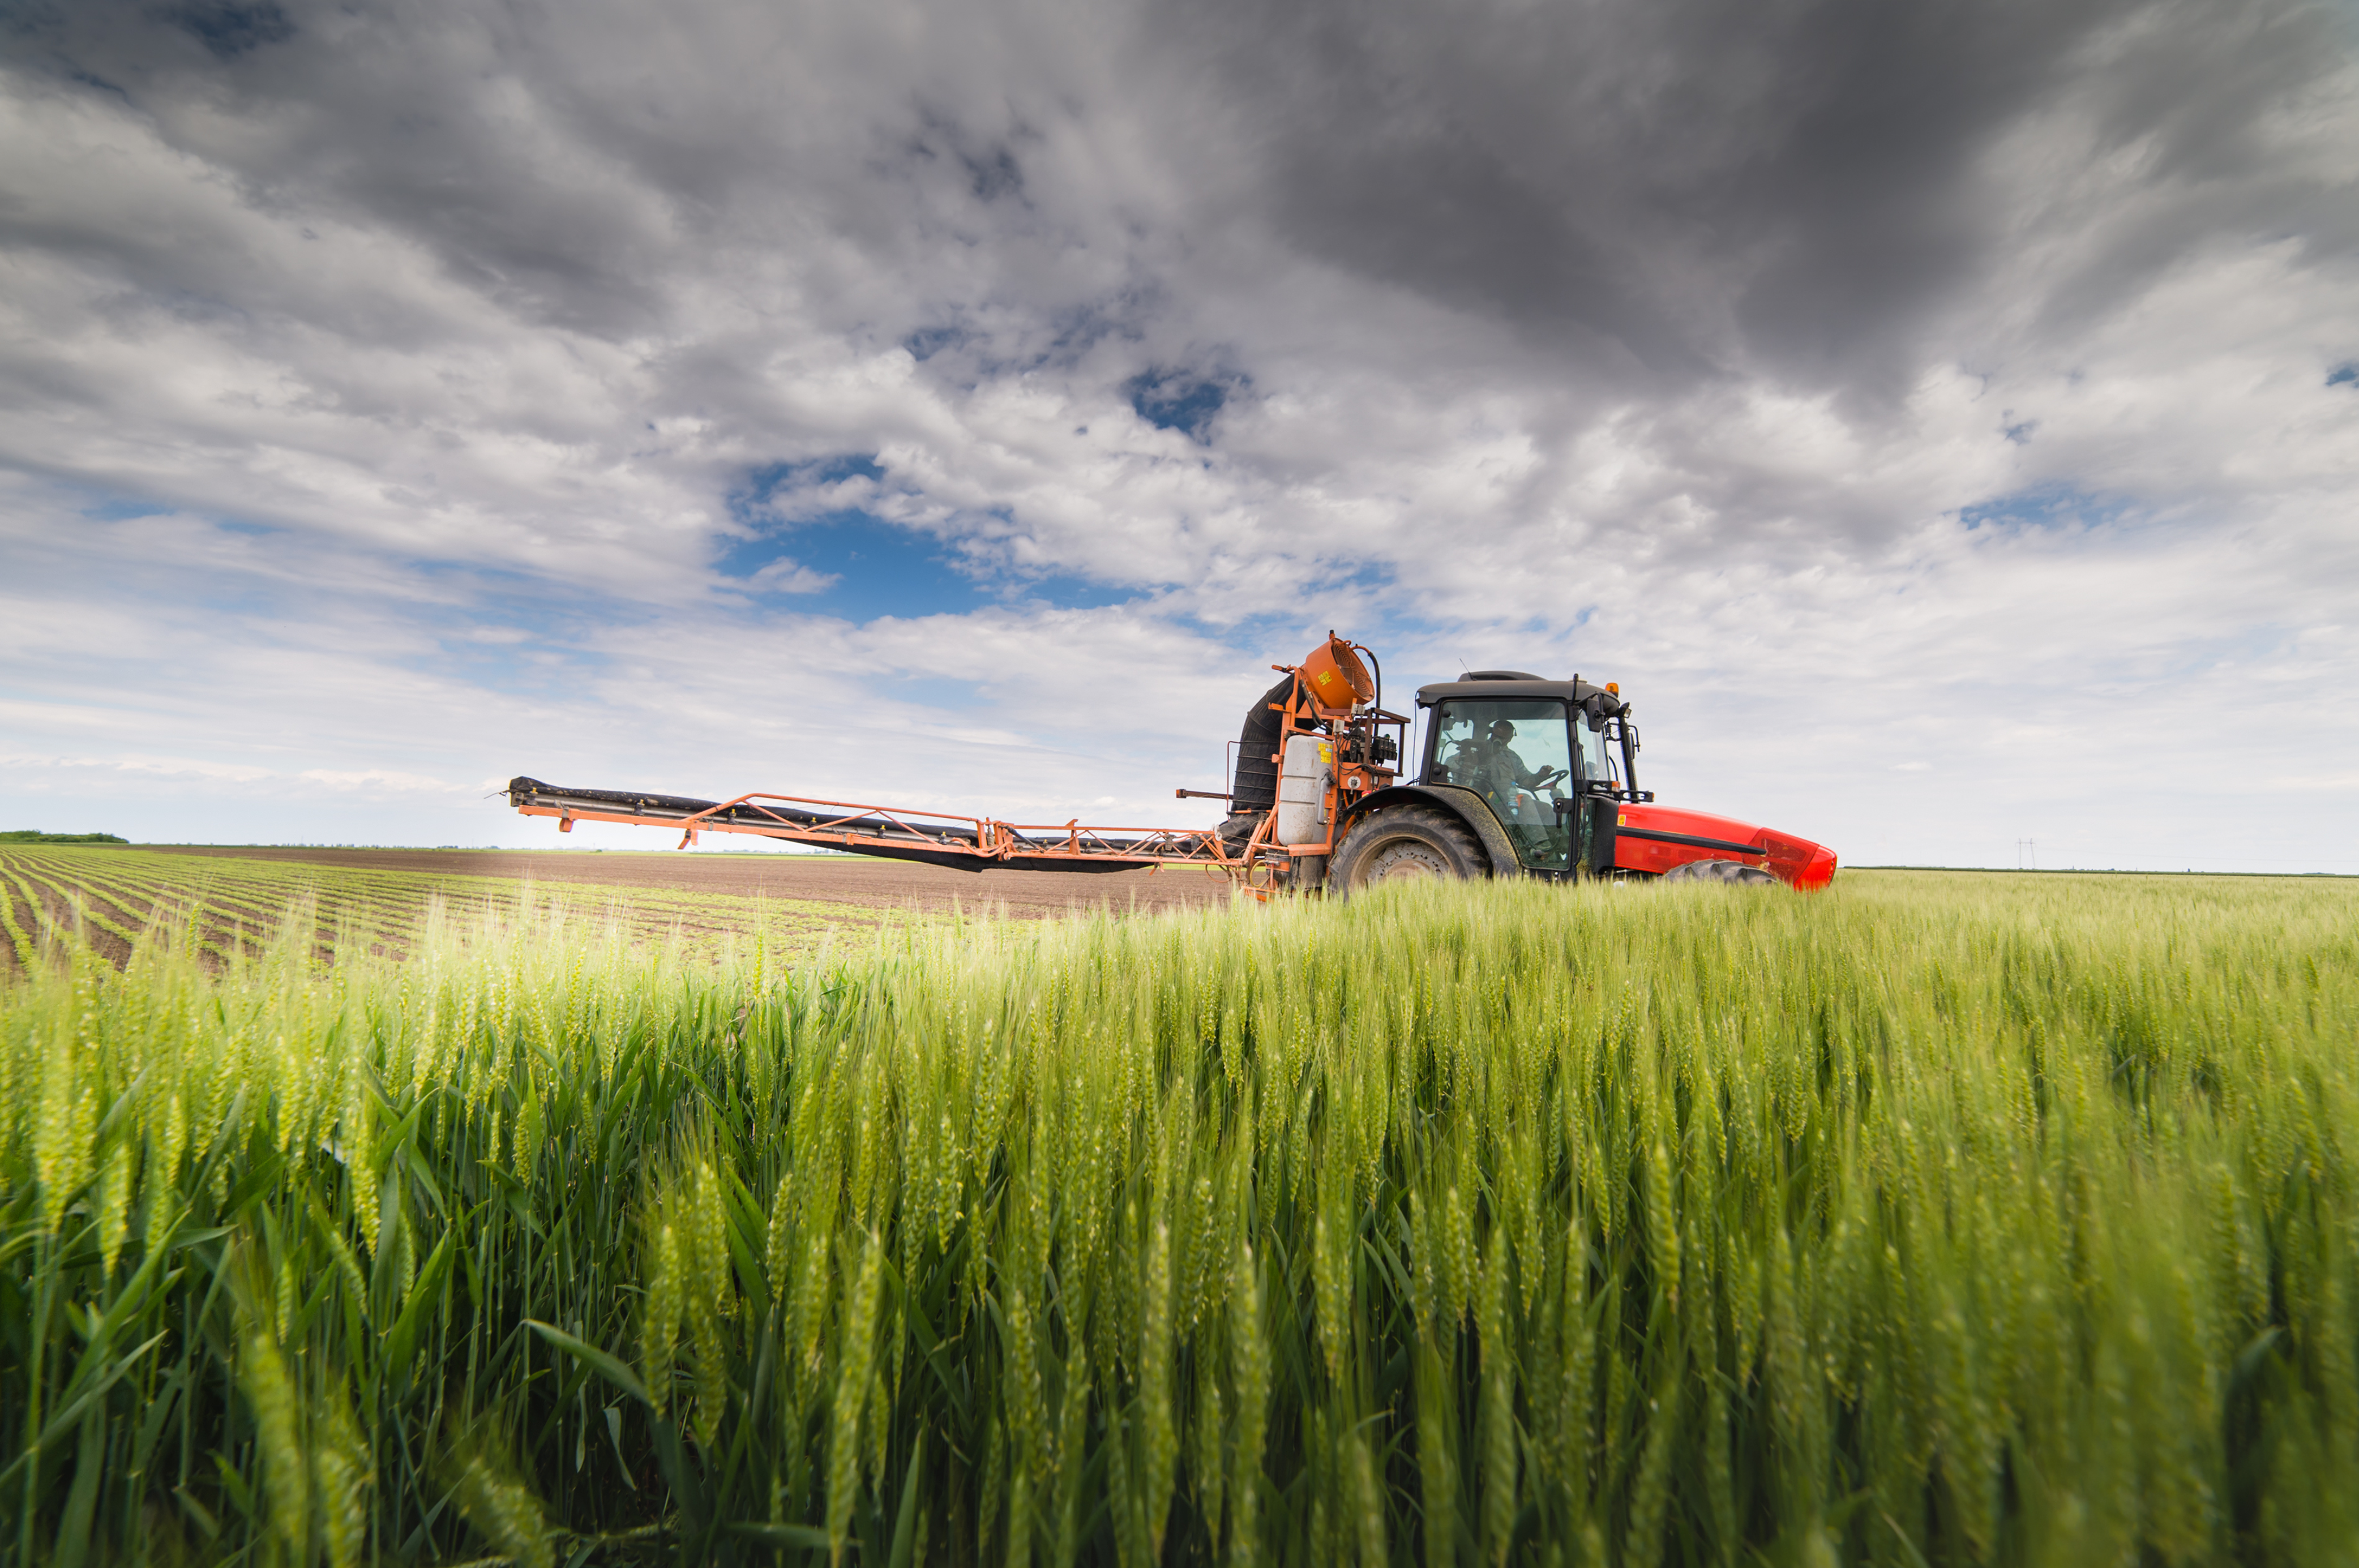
{"type": "Point", "coordinates": [1491, 763]}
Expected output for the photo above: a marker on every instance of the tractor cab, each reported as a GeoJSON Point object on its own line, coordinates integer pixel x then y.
{"type": "Point", "coordinates": [1549, 757]}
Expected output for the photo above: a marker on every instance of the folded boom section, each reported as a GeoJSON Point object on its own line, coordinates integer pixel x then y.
{"type": "Point", "coordinates": [936, 838]}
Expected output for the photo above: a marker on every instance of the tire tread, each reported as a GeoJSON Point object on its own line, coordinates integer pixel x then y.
{"type": "Point", "coordinates": [1455, 839]}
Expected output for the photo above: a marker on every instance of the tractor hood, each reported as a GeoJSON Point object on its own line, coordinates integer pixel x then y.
{"type": "Point", "coordinates": [1653, 839]}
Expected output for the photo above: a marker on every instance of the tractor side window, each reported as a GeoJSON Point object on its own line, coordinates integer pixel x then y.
{"type": "Point", "coordinates": [1516, 754]}
{"type": "Point", "coordinates": [1598, 759]}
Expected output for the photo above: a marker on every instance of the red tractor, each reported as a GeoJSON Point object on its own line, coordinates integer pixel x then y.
{"type": "Point", "coordinates": [1518, 777]}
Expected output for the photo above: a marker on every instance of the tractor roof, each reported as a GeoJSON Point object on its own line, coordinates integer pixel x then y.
{"type": "Point", "coordinates": [1491, 684]}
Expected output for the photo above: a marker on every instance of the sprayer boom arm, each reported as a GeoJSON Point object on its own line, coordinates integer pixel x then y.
{"type": "Point", "coordinates": [940, 838]}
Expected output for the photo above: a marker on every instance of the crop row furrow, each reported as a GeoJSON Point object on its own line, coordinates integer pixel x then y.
{"type": "Point", "coordinates": [382, 917]}
{"type": "Point", "coordinates": [122, 892]}
{"type": "Point", "coordinates": [139, 902]}
{"type": "Point", "coordinates": [80, 898]}
{"type": "Point", "coordinates": [52, 910]}
{"type": "Point", "coordinates": [50, 905]}
{"type": "Point", "coordinates": [226, 906]}
{"type": "Point", "coordinates": [20, 941]}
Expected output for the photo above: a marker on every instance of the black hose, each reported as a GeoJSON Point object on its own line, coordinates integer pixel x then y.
{"type": "Point", "coordinates": [1254, 787]}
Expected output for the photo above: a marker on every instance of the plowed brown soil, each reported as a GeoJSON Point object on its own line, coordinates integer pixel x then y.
{"type": "Point", "coordinates": [834, 879]}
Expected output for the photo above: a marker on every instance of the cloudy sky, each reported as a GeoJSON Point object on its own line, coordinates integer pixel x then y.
{"type": "Point", "coordinates": [1941, 417]}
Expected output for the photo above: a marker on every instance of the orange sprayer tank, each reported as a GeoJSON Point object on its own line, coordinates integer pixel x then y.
{"type": "Point", "coordinates": [1335, 675]}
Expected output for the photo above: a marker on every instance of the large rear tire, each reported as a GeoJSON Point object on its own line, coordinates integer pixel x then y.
{"type": "Point", "coordinates": [1731, 873]}
{"type": "Point", "coordinates": [1406, 843]}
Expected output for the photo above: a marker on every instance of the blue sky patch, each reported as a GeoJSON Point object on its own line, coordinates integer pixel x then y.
{"type": "Point", "coordinates": [884, 569]}
{"type": "Point", "coordinates": [2344, 376]}
{"type": "Point", "coordinates": [880, 569]}
{"type": "Point", "coordinates": [751, 503]}
{"type": "Point", "coordinates": [2046, 506]}
{"type": "Point", "coordinates": [928, 342]}
{"type": "Point", "coordinates": [1177, 400]}
{"type": "Point", "coordinates": [122, 510]}
{"type": "Point", "coordinates": [1062, 591]}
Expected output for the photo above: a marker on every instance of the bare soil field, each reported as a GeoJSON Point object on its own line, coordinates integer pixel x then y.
{"type": "Point", "coordinates": [815, 878]}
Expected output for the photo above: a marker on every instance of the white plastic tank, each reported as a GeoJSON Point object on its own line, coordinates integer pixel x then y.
{"type": "Point", "coordinates": [1302, 780]}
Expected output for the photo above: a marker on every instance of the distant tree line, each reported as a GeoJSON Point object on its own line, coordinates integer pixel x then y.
{"type": "Point", "coordinates": [33, 835]}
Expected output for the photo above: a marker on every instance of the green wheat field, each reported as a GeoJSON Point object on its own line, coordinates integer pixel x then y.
{"type": "Point", "coordinates": [1936, 1219]}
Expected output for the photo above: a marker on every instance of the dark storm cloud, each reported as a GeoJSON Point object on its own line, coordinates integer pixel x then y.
{"type": "Point", "coordinates": [441, 128]}
{"type": "Point", "coordinates": [1643, 191]}
{"type": "Point", "coordinates": [229, 29]}
{"type": "Point", "coordinates": [1701, 181]}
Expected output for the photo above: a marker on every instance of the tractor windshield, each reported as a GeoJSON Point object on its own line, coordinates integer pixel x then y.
{"type": "Point", "coordinates": [1516, 752]}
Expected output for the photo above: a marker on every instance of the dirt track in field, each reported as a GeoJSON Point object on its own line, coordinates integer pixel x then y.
{"type": "Point", "coordinates": [866, 884]}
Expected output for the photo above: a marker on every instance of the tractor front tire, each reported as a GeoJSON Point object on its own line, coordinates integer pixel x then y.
{"type": "Point", "coordinates": [1729, 873]}
{"type": "Point", "coordinates": [1406, 843]}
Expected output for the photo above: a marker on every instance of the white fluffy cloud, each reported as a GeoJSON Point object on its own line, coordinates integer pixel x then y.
{"type": "Point", "coordinates": [1931, 414]}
